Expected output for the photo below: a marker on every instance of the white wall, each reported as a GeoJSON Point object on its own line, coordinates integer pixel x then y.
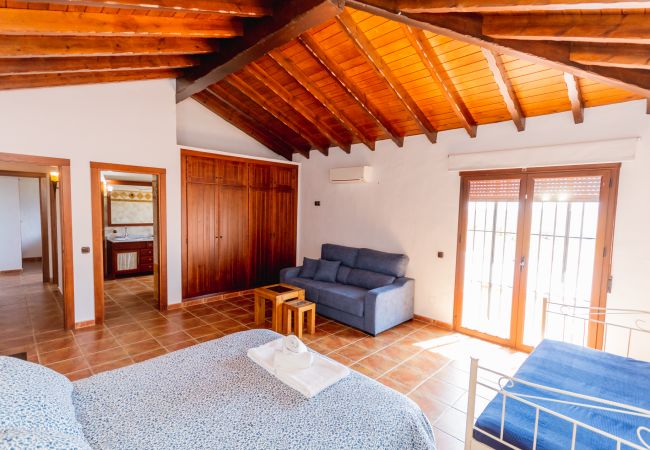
{"type": "Point", "coordinates": [30, 217]}
{"type": "Point", "coordinates": [413, 208]}
{"type": "Point", "coordinates": [197, 126]}
{"type": "Point", "coordinates": [125, 123]}
{"type": "Point", "coordinates": [10, 251]}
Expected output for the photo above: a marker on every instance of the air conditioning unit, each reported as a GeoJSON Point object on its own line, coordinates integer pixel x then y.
{"type": "Point", "coordinates": [359, 174]}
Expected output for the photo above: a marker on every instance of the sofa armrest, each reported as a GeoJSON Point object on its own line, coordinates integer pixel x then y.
{"type": "Point", "coordinates": [389, 305]}
{"type": "Point", "coordinates": [289, 272]}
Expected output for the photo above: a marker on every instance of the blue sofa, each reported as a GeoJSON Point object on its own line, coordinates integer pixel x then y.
{"type": "Point", "coordinates": [370, 293]}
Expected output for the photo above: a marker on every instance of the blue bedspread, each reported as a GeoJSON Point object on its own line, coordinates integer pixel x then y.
{"type": "Point", "coordinates": [212, 396]}
{"type": "Point", "coordinates": [577, 369]}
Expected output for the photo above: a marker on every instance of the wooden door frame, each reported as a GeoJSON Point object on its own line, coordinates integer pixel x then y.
{"type": "Point", "coordinates": [66, 224]}
{"type": "Point", "coordinates": [602, 264]}
{"type": "Point", "coordinates": [98, 231]}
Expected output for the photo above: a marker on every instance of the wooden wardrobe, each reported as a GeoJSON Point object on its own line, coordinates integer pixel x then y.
{"type": "Point", "coordinates": [239, 222]}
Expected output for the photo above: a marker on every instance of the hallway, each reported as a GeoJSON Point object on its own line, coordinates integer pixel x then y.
{"type": "Point", "coordinates": [30, 311]}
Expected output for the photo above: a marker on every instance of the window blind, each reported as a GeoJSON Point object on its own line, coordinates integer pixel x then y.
{"type": "Point", "coordinates": [504, 190]}
{"type": "Point", "coordinates": [567, 189]}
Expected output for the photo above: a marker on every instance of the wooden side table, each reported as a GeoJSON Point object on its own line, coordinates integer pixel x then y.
{"type": "Point", "coordinates": [277, 294]}
{"type": "Point", "coordinates": [298, 308]}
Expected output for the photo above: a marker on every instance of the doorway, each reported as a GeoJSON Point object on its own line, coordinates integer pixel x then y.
{"type": "Point", "coordinates": [532, 234]}
{"type": "Point", "coordinates": [129, 240]}
{"type": "Point", "coordinates": [37, 288]}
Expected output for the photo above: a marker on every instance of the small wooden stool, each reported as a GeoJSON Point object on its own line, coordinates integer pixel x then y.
{"type": "Point", "coordinates": [299, 307]}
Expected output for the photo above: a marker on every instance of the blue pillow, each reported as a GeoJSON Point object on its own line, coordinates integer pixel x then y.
{"type": "Point", "coordinates": [36, 399]}
{"type": "Point", "coordinates": [309, 268]}
{"type": "Point", "coordinates": [24, 439]}
{"type": "Point", "coordinates": [327, 270]}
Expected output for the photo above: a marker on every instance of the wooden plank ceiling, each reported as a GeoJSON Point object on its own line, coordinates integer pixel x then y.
{"type": "Point", "coordinates": [302, 75]}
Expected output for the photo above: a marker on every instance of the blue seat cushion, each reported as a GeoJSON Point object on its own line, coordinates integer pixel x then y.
{"type": "Point", "coordinates": [367, 279]}
{"type": "Point", "coordinates": [347, 255]}
{"type": "Point", "coordinates": [35, 399]}
{"type": "Point", "coordinates": [312, 287]}
{"type": "Point", "coordinates": [349, 299]}
{"type": "Point", "coordinates": [392, 264]}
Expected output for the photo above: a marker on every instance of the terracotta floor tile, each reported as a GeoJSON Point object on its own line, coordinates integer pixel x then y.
{"type": "Point", "coordinates": [210, 337]}
{"type": "Point", "coordinates": [199, 331]}
{"type": "Point", "coordinates": [441, 390]}
{"type": "Point", "coordinates": [99, 345]}
{"type": "Point", "coordinates": [115, 364]}
{"type": "Point", "coordinates": [431, 407]}
{"type": "Point", "coordinates": [133, 337]}
{"type": "Point", "coordinates": [391, 383]}
{"type": "Point", "coordinates": [142, 347]}
{"type": "Point", "coordinates": [179, 345]}
{"type": "Point", "coordinates": [378, 363]}
{"type": "Point", "coordinates": [148, 355]}
{"type": "Point", "coordinates": [399, 352]}
{"type": "Point", "coordinates": [125, 329]}
{"type": "Point", "coordinates": [179, 336]}
{"type": "Point", "coordinates": [69, 365]}
{"type": "Point", "coordinates": [79, 374]}
{"type": "Point", "coordinates": [366, 371]}
{"type": "Point", "coordinates": [163, 330]}
{"type": "Point", "coordinates": [452, 422]}
{"type": "Point", "coordinates": [408, 375]}
{"type": "Point", "coordinates": [446, 441]}
{"type": "Point", "coordinates": [60, 355]}
{"type": "Point", "coordinates": [106, 356]}
{"type": "Point", "coordinates": [56, 344]}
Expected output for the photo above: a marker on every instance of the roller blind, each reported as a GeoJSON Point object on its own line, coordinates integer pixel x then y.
{"type": "Point", "coordinates": [504, 190]}
{"type": "Point", "coordinates": [567, 189]}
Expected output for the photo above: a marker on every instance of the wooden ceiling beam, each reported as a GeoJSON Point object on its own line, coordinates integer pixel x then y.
{"type": "Point", "coordinates": [468, 28]}
{"type": "Point", "coordinates": [364, 46]}
{"type": "Point", "coordinates": [289, 99]}
{"type": "Point", "coordinates": [339, 114]}
{"type": "Point", "coordinates": [48, 46]}
{"type": "Point", "coordinates": [254, 8]}
{"type": "Point", "coordinates": [604, 28]}
{"type": "Point", "coordinates": [628, 56]}
{"type": "Point", "coordinates": [430, 59]}
{"type": "Point", "coordinates": [245, 123]}
{"type": "Point", "coordinates": [239, 83]}
{"type": "Point", "coordinates": [17, 66]}
{"type": "Point", "coordinates": [59, 23]}
{"type": "Point", "coordinates": [290, 19]}
{"type": "Point", "coordinates": [510, 6]}
{"type": "Point", "coordinates": [56, 79]}
{"type": "Point", "coordinates": [505, 88]}
{"type": "Point", "coordinates": [338, 74]}
{"type": "Point", "coordinates": [575, 97]}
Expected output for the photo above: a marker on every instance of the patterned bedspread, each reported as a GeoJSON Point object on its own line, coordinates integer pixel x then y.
{"type": "Point", "coordinates": [212, 396]}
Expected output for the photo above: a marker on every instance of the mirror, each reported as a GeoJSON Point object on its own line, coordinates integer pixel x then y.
{"type": "Point", "coordinates": [130, 205]}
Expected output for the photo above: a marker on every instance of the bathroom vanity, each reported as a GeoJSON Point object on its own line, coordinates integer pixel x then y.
{"type": "Point", "coordinates": [129, 256]}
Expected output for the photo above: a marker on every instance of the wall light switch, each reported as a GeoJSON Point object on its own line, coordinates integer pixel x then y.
{"type": "Point", "coordinates": [85, 249]}
{"type": "Point", "coordinates": [317, 203]}
{"type": "Point", "coordinates": [441, 255]}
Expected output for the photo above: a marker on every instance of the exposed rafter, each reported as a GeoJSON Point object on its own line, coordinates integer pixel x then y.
{"type": "Point", "coordinates": [487, 6]}
{"type": "Point", "coordinates": [370, 53]}
{"type": "Point", "coordinates": [505, 88]}
{"type": "Point", "coordinates": [293, 102]}
{"type": "Point", "coordinates": [428, 56]}
{"type": "Point", "coordinates": [242, 121]}
{"type": "Point", "coordinates": [290, 19]}
{"type": "Point", "coordinates": [38, 22]}
{"type": "Point", "coordinates": [304, 80]}
{"type": "Point", "coordinates": [17, 66]}
{"type": "Point", "coordinates": [62, 79]}
{"type": "Point", "coordinates": [605, 28]}
{"type": "Point", "coordinates": [46, 46]}
{"type": "Point", "coordinates": [344, 81]}
{"type": "Point", "coordinates": [629, 56]}
{"type": "Point", "coordinates": [575, 97]}
{"type": "Point", "coordinates": [239, 83]}
{"type": "Point", "coordinates": [231, 8]}
{"type": "Point", "coordinates": [469, 28]}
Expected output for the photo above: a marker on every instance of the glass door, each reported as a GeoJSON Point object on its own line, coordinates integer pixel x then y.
{"type": "Point", "coordinates": [528, 236]}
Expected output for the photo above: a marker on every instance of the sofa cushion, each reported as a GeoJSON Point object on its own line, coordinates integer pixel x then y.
{"type": "Point", "coordinates": [312, 287]}
{"type": "Point", "coordinates": [36, 399]}
{"type": "Point", "coordinates": [349, 299]}
{"type": "Point", "coordinates": [342, 274]}
{"type": "Point", "coordinates": [309, 268]}
{"type": "Point", "coordinates": [367, 279]}
{"type": "Point", "coordinates": [327, 270]}
{"type": "Point", "coordinates": [347, 255]}
{"type": "Point", "coordinates": [392, 264]}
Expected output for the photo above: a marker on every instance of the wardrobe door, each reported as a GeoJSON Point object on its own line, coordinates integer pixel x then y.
{"type": "Point", "coordinates": [284, 211]}
{"type": "Point", "coordinates": [201, 205]}
{"type": "Point", "coordinates": [260, 225]}
{"type": "Point", "coordinates": [233, 226]}
{"type": "Point", "coordinates": [200, 170]}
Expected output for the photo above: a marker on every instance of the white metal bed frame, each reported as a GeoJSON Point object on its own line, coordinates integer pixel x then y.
{"type": "Point", "coordinates": [497, 382]}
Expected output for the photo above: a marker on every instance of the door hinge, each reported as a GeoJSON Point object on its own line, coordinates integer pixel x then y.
{"type": "Point", "coordinates": [610, 280]}
{"type": "Point", "coordinates": [611, 182]}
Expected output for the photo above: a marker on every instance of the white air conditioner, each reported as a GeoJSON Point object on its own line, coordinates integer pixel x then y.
{"type": "Point", "coordinates": [359, 174]}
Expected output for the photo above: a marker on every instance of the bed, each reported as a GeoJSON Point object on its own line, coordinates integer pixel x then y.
{"type": "Point", "coordinates": [212, 396]}
{"type": "Point", "coordinates": [564, 396]}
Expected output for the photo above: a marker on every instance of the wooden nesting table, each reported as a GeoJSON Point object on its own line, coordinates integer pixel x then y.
{"type": "Point", "coordinates": [297, 309]}
{"type": "Point", "coordinates": [277, 294]}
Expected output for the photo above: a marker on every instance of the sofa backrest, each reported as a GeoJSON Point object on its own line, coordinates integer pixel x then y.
{"type": "Point", "coordinates": [358, 265]}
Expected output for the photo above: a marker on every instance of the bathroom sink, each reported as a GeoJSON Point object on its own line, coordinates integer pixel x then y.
{"type": "Point", "coordinates": [130, 238]}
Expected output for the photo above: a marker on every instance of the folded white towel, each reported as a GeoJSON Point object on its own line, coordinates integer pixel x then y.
{"type": "Point", "coordinates": [320, 375]}
{"type": "Point", "coordinates": [291, 344]}
{"type": "Point", "coordinates": [284, 360]}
